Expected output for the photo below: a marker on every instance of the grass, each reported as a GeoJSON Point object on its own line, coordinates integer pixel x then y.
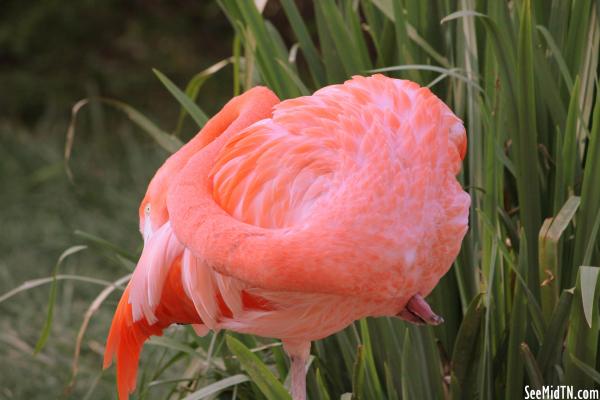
{"type": "Point", "coordinates": [521, 302]}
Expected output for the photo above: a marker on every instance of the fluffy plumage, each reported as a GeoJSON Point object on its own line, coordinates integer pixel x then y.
{"type": "Point", "coordinates": [292, 219]}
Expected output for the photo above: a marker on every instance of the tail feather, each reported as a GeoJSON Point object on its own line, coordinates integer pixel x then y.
{"type": "Point", "coordinates": [125, 341]}
{"type": "Point", "coordinates": [126, 337]}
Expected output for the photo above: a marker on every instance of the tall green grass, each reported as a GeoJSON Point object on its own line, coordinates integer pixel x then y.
{"type": "Point", "coordinates": [521, 302]}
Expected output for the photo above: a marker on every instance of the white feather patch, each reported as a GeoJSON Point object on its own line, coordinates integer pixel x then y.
{"type": "Point", "coordinates": [231, 291]}
{"type": "Point", "coordinates": [199, 285]}
{"type": "Point", "coordinates": [160, 250]}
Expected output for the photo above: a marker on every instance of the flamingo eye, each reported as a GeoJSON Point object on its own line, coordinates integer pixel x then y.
{"type": "Point", "coordinates": [147, 209]}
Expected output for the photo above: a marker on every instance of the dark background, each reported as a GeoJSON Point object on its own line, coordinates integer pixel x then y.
{"type": "Point", "coordinates": [52, 54]}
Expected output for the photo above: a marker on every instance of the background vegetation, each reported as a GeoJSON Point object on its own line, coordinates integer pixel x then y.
{"type": "Point", "coordinates": [521, 303]}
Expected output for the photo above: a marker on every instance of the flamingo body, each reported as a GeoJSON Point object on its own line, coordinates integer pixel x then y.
{"type": "Point", "coordinates": [292, 219]}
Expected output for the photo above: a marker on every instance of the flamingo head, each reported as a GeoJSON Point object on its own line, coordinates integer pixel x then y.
{"type": "Point", "coordinates": [239, 113]}
{"type": "Point", "coordinates": [153, 208]}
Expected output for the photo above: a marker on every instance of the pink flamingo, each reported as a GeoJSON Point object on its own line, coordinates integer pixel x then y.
{"type": "Point", "coordinates": [293, 219]}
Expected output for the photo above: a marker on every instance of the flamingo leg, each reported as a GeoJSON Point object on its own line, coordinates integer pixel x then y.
{"type": "Point", "coordinates": [298, 353]}
{"type": "Point", "coordinates": [419, 312]}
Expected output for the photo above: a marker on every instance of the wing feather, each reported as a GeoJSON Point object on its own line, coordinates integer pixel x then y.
{"type": "Point", "coordinates": [336, 193]}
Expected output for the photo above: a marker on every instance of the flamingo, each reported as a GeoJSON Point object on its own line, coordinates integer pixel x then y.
{"type": "Point", "coordinates": [293, 219]}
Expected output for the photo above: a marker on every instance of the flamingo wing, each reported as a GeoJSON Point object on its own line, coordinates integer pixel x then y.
{"type": "Point", "coordinates": [350, 191]}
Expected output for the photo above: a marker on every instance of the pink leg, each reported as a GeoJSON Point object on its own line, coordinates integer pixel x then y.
{"type": "Point", "coordinates": [299, 353]}
{"type": "Point", "coordinates": [419, 312]}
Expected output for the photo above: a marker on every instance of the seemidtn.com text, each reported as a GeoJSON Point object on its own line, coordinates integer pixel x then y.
{"type": "Point", "coordinates": [560, 392]}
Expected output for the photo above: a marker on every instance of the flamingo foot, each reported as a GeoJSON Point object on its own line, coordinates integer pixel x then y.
{"type": "Point", "coordinates": [418, 312]}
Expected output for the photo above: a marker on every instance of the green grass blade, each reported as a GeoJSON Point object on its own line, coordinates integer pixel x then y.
{"type": "Point", "coordinates": [45, 333]}
{"type": "Point", "coordinates": [268, 384]}
{"type": "Point", "coordinates": [386, 7]}
{"type": "Point", "coordinates": [333, 65]}
{"type": "Point", "coordinates": [306, 44]}
{"type": "Point", "coordinates": [549, 237]}
{"type": "Point", "coordinates": [187, 103]}
{"type": "Point", "coordinates": [236, 61]}
{"type": "Point", "coordinates": [381, 30]}
{"type": "Point", "coordinates": [566, 154]}
{"type": "Point", "coordinates": [506, 162]}
{"type": "Point", "coordinates": [33, 283]}
{"type": "Point", "coordinates": [166, 141]}
{"type": "Point", "coordinates": [412, 385]}
{"type": "Point", "coordinates": [349, 54]}
{"type": "Point", "coordinates": [525, 142]}
{"type": "Point", "coordinates": [373, 378]}
{"type": "Point", "coordinates": [588, 70]}
{"type": "Point", "coordinates": [394, 10]}
{"type": "Point", "coordinates": [427, 360]}
{"type": "Point", "coordinates": [104, 244]}
{"type": "Point", "coordinates": [405, 50]}
{"type": "Point", "coordinates": [421, 67]}
{"type": "Point", "coordinates": [292, 76]}
{"type": "Point", "coordinates": [518, 331]}
{"type": "Point", "coordinates": [586, 369]}
{"type": "Point", "coordinates": [549, 101]}
{"type": "Point", "coordinates": [445, 299]}
{"type": "Point", "coordinates": [592, 243]}
{"type": "Point", "coordinates": [277, 41]}
{"type": "Point", "coordinates": [535, 311]}
{"type": "Point", "coordinates": [281, 360]}
{"type": "Point", "coordinates": [532, 367]}
{"type": "Point", "coordinates": [551, 349]}
{"type": "Point", "coordinates": [352, 20]}
{"type": "Point", "coordinates": [173, 344]}
{"type": "Point", "coordinates": [503, 49]}
{"type": "Point", "coordinates": [217, 387]}
{"type": "Point", "coordinates": [576, 36]}
{"type": "Point", "coordinates": [464, 358]}
{"type": "Point", "coordinates": [268, 46]}
{"type": "Point", "coordinates": [391, 392]}
{"type": "Point", "coordinates": [556, 53]}
{"type": "Point", "coordinates": [358, 374]}
{"type": "Point", "coordinates": [195, 84]}
{"type": "Point", "coordinates": [426, 47]}
{"type": "Point", "coordinates": [485, 372]}
{"type": "Point", "coordinates": [322, 386]}
{"type": "Point", "coordinates": [257, 31]}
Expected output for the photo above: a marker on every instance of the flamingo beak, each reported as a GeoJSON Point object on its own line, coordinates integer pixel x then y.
{"type": "Point", "coordinates": [147, 231]}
